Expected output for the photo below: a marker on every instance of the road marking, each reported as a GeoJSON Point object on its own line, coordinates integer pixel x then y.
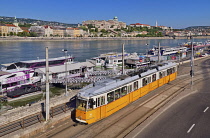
{"type": "Point", "coordinates": [206, 109]}
{"type": "Point", "coordinates": [190, 128]}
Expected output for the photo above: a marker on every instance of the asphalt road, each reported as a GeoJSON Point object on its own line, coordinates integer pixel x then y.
{"type": "Point", "coordinates": [189, 118]}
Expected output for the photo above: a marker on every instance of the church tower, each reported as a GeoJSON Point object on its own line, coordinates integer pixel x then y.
{"type": "Point", "coordinates": [156, 24]}
{"type": "Point", "coordinates": [15, 22]}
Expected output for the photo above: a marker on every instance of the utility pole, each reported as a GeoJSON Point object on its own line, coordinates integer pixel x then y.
{"type": "Point", "coordinates": [47, 101]}
{"type": "Point", "coordinates": [192, 65]}
{"type": "Point", "coordinates": [123, 70]}
{"type": "Point", "coordinates": [65, 51]}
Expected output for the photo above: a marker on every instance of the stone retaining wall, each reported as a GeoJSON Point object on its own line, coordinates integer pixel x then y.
{"type": "Point", "coordinates": [21, 112]}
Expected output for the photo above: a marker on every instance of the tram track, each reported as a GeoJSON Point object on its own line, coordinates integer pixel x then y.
{"type": "Point", "coordinates": [179, 81]}
{"type": "Point", "coordinates": [57, 110]}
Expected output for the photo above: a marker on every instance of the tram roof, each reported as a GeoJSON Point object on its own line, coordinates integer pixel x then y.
{"type": "Point", "coordinates": [106, 85]}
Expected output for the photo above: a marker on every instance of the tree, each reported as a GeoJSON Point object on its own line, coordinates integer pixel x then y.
{"type": "Point", "coordinates": [11, 33]}
{"type": "Point", "coordinates": [33, 34]}
{"type": "Point", "coordinates": [96, 29]}
{"type": "Point", "coordinates": [103, 31]}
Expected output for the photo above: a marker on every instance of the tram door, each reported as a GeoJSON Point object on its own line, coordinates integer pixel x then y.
{"type": "Point", "coordinates": [101, 108]}
{"type": "Point", "coordinates": [130, 89]}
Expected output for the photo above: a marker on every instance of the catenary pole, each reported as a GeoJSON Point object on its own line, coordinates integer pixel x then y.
{"type": "Point", "coordinates": [47, 109]}
{"type": "Point", "coordinates": [192, 64]}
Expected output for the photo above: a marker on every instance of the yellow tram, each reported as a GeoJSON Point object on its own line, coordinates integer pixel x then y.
{"type": "Point", "coordinates": [99, 100]}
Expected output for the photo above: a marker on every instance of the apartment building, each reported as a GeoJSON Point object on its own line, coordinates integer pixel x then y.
{"type": "Point", "coordinates": [74, 32]}
{"type": "Point", "coordinates": [12, 28]}
{"type": "Point", "coordinates": [3, 29]}
{"type": "Point", "coordinates": [59, 31]}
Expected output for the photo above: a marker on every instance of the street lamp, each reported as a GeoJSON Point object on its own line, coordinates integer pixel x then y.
{"type": "Point", "coordinates": [65, 51]}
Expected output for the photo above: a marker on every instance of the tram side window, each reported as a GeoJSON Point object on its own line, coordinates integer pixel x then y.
{"type": "Point", "coordinates": [149, 80]}
{"type": "Point", "coordinates": [90, 104]}
{"type": "Point", "coordinates": [117, 94]}
{"type": "Point", "coordinates": [144, 81]}
{"type": "Point", "coordinates": [129, 88]}
{"type": "Point", "coordinates": [169, 71]}
{"type": "Point", "coordinates": [98, 102]}
{"type": "Point", "coordinates": [135, 85]}
{"type": "Point", "coordinates": [160, 75]}
{"type": "Point", "coordinates": [102, 100]}
{"type": "Point", "coordinates": [173, 70]}
{"type": "Point", "coordinates": [123, 91]}
{"type": "Point", "coordinates": [153, 77]}
{"type": "Point", "coordinates": [164, 73]}
{"type": "Point", "coordinates": [110, 97]}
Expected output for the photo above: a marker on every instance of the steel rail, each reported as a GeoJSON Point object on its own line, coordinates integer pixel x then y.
{"type": "Point", "coordinates": [135, 108]}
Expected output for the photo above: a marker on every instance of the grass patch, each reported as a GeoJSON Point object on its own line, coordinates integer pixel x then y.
{"type": "Point", "coordinates": [57, 90]}
{"type": "Point", "coordinates": [25, 101]}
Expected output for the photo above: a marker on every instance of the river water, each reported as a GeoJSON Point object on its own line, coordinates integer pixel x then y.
{"type": "Point", "coordinates": [15, 51]}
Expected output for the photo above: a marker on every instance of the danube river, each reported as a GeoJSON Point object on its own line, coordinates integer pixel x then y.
{"type": "Point", "coordinates": [15, 51]}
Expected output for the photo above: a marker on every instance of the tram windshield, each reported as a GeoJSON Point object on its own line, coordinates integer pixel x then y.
{"type": "Point", "coordinates": [85, 105]}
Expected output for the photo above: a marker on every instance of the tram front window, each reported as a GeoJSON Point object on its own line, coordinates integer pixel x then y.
{"type": "Point", "coordinates": [81, 104]}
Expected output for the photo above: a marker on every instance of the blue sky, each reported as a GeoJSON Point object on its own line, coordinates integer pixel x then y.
{"type": "Point", "coordinates": [173, 13]}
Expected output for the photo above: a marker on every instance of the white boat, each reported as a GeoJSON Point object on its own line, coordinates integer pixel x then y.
{"type": "Point", "coordinates": [15, 78]}
{"type": "Point", "coordinates": [167, 51]}
{"type": "Point", "coordinates": [115, 60]}
{"type": "Point", "coordinates": [137, 61]}
{"type": "Point", "coordinates": [14, 75]}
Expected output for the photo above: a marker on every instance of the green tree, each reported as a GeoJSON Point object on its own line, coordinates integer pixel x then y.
{"type": "Point", "coordinates": [11, 33]}
{"type": "Point", "coordinates": [33, 34]}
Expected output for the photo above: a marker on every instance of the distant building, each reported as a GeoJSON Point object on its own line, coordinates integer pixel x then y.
{"type": "Point", "coordinates": [42, 31]}
{"type": "Point", "coordinates": [140, 25]}
{"type": "Point", "coordinates": [74, 32]}
{"type": "Point", "coordinates": [59, 31]}
{"type": "Point", "coordinates": [3, 29]}
{"type": "Point", "coordinates": [25, 29]}
{"type": "Point", "coordinates": [39, 30]}
{"type": "Point", "coordinates": [102, 24]}
{"type": "Point", "coordinates": [48, 31]}
{"type": "Point", "coordinates": [17, 25]}
{"type": "Point", "coordinates": [12, 28]}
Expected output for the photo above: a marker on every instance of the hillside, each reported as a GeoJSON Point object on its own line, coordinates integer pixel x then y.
{"type": "Point", "coordinates": [34, 21]}
{"type": "Point", "coordinates": [198, 28]}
